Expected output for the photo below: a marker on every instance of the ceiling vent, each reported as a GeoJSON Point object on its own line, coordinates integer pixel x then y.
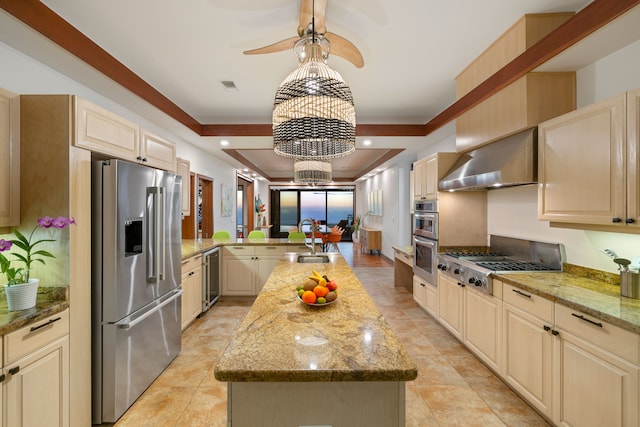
{"type": "Point", "coordinates": [229, 85]}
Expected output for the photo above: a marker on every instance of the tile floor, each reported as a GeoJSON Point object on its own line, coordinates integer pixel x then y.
{"type": "Point", "coordinates": [452, 389]}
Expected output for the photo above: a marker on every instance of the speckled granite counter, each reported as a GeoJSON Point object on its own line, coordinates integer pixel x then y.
{"type": "Point", "coordinates": [596, 298]}
{"type": "Point", "coordinates": [191, 247]}
{"type": "Point", "coordinates": [407, 250]}
{"type": "Point", "coordinates": [50, 300]}
{"type": "Point", "coordinates": [282, 339]}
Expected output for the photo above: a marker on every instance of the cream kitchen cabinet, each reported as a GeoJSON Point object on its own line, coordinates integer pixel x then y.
{"type": "Point", "coordinates": [246, 268]}
{"type": "Point", "coordinates": [598, 370]}
{"type": "Point", "coordinates": [483, 324]}
{"type": "Point", "coordinates": [183, 168]}
{"type": "Point", "coordinates": [9, 159]}
{"type": "Point", "coordinates": [428, 172]}
{"type": "Point", "coordinates": [451, 305]}
{"type": "Point", "coordinates": [36, 370]}
{"type": "Point", "coordinates": [102, 131]}
{"type": "Point", "coordinates": [528, 346]}
{"type": "Point", "coordinates": [191, 289]}
{"type": "Point", "coordinates": [596, 187]}
{"type": "Point", "coordinates": [426, 295]}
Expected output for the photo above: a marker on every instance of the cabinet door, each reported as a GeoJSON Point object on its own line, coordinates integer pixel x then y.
{"type": "Point", "coordinates": [237, 276]}
{"type": "Point", "coordinates": [102, 131]}
{"type": "Point", "coordinates": [483, 327]}
{"type": "Point", "coordinates": [528, 349]}
{"type": "Point", "coordinates": [157, 152]}
{"type": "Point", "coordinates": [419, 291]}
{"type": "Point", "coordinates": [264, 267]}
{"type": "Point", "coordinates": [431, 178]}
{"type": "Point", "coordinates": [419, 180]}
{"type": "Point", "coordinates": [9, 159]}
{"type": "Point", "coordinates": [595, 387]}
{"type": "Point", "coordinates": [451, 305]}
{"type": "Point", "coordinates": [38, 391]}
{"type": "Point", "coordinates": [183, 168]}
{"type": "Point", "coordinates": [633, 156]}
{"type": "Point", "coordinates": [582, 165]}
{"type": "Point", "coordinates": [192, 295]}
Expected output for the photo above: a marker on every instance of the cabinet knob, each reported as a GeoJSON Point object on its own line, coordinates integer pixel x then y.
{"type": "Point", "coordinates": [616, 220]}
{"type": "Point", "coordinates": [14, 370]}
{"type": "Point", "coordinates": [629, 220]}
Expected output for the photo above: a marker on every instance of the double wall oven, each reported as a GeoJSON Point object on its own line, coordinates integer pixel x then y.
{"type": "Point", "coordinates": [425, 239]}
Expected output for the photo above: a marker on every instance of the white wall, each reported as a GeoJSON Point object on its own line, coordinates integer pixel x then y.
{"type": "Point", "coordinates": [22, 74]}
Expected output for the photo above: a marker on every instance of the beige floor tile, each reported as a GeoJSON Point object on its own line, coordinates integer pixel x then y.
{"type": "Point", "coordinates": [157, 407]}
{"type": "Point", "coordinates": [436, 370]}
{"type": "Point", "coordinates": [207, 408]}
{"type": "Point", "coordinates": [467, 417]}
{"type": "Point", "coordinates": [185, 371]}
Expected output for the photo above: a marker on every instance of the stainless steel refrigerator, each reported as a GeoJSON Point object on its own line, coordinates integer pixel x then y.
{"type": "Point", "coordinates": [136, 292]}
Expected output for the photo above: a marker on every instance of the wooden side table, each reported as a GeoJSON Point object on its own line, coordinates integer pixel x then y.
{"type": "Point", "coordinates": [370, 240]}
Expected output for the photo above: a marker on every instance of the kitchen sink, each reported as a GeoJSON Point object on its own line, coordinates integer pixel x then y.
{"type": "Point", "coordinates": [313, 259]}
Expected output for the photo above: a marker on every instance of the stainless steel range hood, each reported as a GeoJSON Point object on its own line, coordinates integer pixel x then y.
{"type": "Point", "coordinates": [506, 162]}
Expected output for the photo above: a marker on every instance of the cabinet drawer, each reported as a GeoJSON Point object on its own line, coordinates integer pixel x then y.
{"type": "Point", "coordinates": [531, 303]}
{"type": "Point", "coordinates": [276, 250]}
{"type": "Point", "coordinates": [38, 334]}
{"type": "Point", "coordinates": [236, 251]}
{"type": "Point", "coordinates": [191, 263]}
{"type": "Point", "coordinates": [403, 257]}
{"type": "Point", "coordinates": [618, 341]}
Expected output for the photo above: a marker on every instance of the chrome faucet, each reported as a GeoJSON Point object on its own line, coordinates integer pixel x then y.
{"type": "Point", "coordinates": [314, 228]}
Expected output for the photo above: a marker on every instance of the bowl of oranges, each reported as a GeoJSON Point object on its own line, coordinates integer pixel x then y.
{"type": "Point", "coordinates": [317, 290]}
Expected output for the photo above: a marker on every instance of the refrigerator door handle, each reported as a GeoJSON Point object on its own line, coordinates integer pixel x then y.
{"type": "Point", "coordinates": [126, 324]}
{"type": "Point", "coordinates": [156, 238]}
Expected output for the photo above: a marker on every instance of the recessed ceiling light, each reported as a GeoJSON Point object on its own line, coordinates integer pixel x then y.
{"type": "Point", "coordinates": [366, 142]}
{"type": "Point", "coordinates": [245, 170]}
{"type": "Point", "coordinates": [224, 142]}
{"type": "Point", "coordinates": [379, 170]}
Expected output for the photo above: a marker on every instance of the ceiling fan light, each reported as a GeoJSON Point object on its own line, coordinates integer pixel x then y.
{"type": "Point", "coordinates": [312, 172]}
{"type": "Point", "coordinates": [313, 112]}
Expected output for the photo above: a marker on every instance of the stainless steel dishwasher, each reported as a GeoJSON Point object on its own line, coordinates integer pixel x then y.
{"type": "Point", "coordinates": [210, 278]}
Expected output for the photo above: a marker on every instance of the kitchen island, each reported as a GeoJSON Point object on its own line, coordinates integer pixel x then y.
{"type": "Point", "coordinates": [294, 364]}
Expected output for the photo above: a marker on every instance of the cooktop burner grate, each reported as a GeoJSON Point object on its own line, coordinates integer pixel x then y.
{"type": "Point", "coordinates": [472, 254]}
{"type": "Point", "coordinates": [514, 266]}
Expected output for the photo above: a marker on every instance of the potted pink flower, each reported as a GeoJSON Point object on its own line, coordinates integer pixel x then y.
{"type": "Point", "coordinates": [21, 290]}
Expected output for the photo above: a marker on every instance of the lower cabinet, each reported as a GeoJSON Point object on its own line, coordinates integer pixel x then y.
{"type": "Point", "coordinates": [528, 347]}
{"type": "Point", "coordinates": [36, 374]}
{"type": "Point", "coordinates": [245, 269]}
{"type": "Point", "coordinates": [426, 295]}
{"type": "Point", "coordinates": [191, 289]}
{"type": "Point", "coordinates": [597, 372]}
{"type": "Point", "coordinates": [451, 305]}
{"type": "Point", "coordinates": [483, 324]}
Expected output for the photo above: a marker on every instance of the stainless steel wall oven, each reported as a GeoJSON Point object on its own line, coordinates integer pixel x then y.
{"type": "Point", "coordinates": [425, 240]}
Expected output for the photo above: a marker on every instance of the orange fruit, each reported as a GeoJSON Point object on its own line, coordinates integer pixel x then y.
{"type": "Point", "coordinates": [309, 297]}
{"type": "Point", "coordinates": [320, 290]}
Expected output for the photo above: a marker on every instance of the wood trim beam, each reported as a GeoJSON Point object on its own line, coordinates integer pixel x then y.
{"type": "Point", "coordinates": [45, 21]}
{"type": "Point", "coordinates": [243, 160]}
{"type": "Point", "coordinates": [42, 19]}
{"type": "Point", "coordinates": [585, 22]}
{"type": "Point", "coordinates": [391, 153]}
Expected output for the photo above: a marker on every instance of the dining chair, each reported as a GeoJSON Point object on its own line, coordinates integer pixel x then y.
{"type": "Point", "coordinates": [297, 235]}
{"type": "Point", "coordinates": [221, 235]}
{"type": "Point", "coordinates": [256, 234]}
{"type": "Point", "coordinates": [332, 239]}
{"type": "Point", "coordinates": [317, 236]}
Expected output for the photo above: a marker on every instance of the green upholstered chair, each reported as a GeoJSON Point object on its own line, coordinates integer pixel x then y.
{"type": "Point", "coordinates": [256, 234]}
{"type": "Point", "coordinates": [298, 236]}
{"type": "Point", "coordinates": [221, 235]}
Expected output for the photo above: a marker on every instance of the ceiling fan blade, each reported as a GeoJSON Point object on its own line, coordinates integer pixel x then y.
{"type": "Point", "coordinates": [312, 9]}
{"type": "Point", "coordinates": [285, 44]}
{"type": "Point", "coordinates": [345, 49]}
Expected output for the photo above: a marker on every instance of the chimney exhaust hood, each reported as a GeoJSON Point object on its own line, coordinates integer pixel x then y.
{"type": "Point", "coordinates": [507, 162]}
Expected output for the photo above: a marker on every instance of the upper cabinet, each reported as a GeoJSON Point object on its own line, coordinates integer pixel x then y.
{"type": "Point", "coordinates": [101, 131]}
{"type": "Point", "coordinates": [428, 172]}
{"type": "Point", "coordinates": [183, 168]}
{"type": "Point", "coordinates": [588, 165]}
{"type": "Point", "coordinates": [533, 98]}
{"type": "Point", "coordinates": [9, 159]}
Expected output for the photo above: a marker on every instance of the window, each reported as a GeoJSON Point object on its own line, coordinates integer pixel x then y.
{"type": "Point", "coordinates": [290, 206]}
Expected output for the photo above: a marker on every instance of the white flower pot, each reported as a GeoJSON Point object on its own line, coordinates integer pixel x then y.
{"type": "Point", "coordinates": [22, 296]}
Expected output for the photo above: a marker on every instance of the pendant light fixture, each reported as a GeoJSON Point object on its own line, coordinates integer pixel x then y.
{"type": "Point", "coordinates": [312, 172]}
{"type": "Point", "coordinates": [313, 112]}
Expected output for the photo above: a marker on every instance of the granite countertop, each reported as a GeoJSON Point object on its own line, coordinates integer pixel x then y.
{"type": "Point", "coordinates": [50, 300]}
{"type": "Point", "coordinates": [191, 247]}
{"type": "Point", "coordinates": [596, 298]}
{"type": "Point", "coordinates": [283, 339]}
{"type": "Point", "coordinates": [407, 250]}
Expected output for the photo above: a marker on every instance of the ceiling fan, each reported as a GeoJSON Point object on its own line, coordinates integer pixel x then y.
{"type": "Point", "coordinates": [312, 23]}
